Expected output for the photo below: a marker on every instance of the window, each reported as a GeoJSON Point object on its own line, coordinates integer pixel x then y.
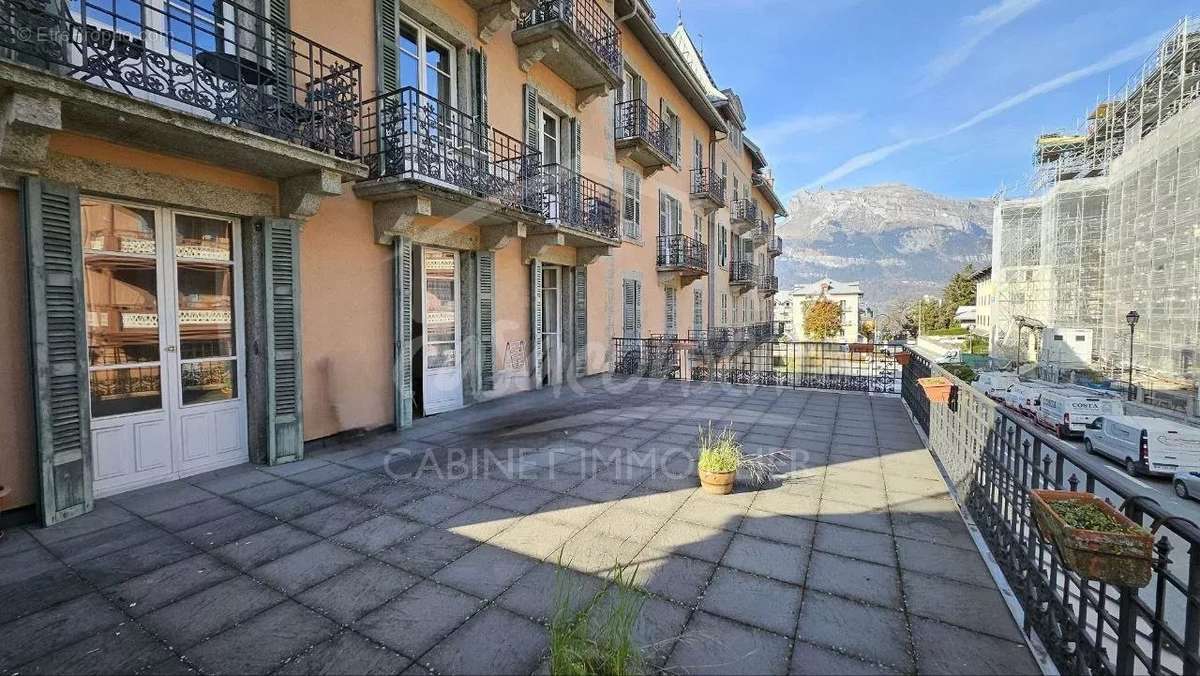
{"type": "Point", "coordinates": [425, 62]}
{"type": "Point", "coordinates": [724, 175]}
{"type": "Point", "coordinates": [697, 153]}
{"type": "Point", "coordinates": [724, 309]}
{"type": "Point", "coordinates": [735, 187]}
{"type": "Point", "coordinates": [631, 88]}
{"type": "Point", "coordinates": [673, 123]}
{"type": "Point", "coordinates": [631, 211]}
{"type": "Point", "coordinates": [722, 252]}
{"type": "Point", "coordinates": [697, 227]}
{"type": "Point", "coordinates": [632, 324]}
{"type": "Point", "coordinates": [550, 137]}
{"type": "Point", "coordinates": [670, 215]}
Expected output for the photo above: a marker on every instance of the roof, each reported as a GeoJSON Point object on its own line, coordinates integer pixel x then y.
{"type": "Point", "coordinates": [982, 275]}
{"type": "Point", "coordinates": [724, 100]}
{"type": "Point", "coordinates": [965, 313]}
{"type": "Point", "coordinates": [834, 288]}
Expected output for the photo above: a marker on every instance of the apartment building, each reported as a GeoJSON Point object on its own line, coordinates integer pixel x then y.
{"type": "Point", "coordinates": [234, 228]}
{"type": "Point", "coordinates": [847, 295]}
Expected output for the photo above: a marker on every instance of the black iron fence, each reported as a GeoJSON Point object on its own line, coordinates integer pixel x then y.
{"type": "Point", "coordinates": [217, 60]}
{"type": "Point", "coordinates": [575, 201]}
{"type": "Point", "coordinates": [743, 272]}
{"type": "Point", "coordinates": [994, 458]}
{"type": "Point", "coordinates": [681, 251]}
{"type": "Point", "coordinates": [708, 184]}
{"type": "Point", "coordinates": [762, 233]}
{"type": "Point", "coordinates": [744, 210]}
{"type": "Point", "coordinates": [636, 120]}
{"type": "Point", "coordinates": [714, 355]}
{"type": "Point", "coordinates": [409, 134]}
{"type": "Point", "coordinates": [587, 20]}
{"type": "Point", "coordinates": [768, 284]}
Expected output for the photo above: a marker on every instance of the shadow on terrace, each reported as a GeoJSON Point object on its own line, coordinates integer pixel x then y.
{"type": "Point", "coordinates": [438, 547]}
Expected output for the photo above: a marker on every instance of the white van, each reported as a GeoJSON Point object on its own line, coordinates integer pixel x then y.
{"type": "Point", "coordinates": [1023, 397]}
{"type": "Point", "coordinates": [1068, 411]}
{"type": "Point", "coordinates": [994, 383]}
{"type": "Point", "coordinates": [1143, 444]}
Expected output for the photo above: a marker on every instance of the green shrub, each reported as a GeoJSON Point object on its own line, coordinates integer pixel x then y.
{"type": "Point", "coordinates": [597, 638]}
{"type": "Point", "coordinates": [952, 331]}
{"type": "Point", "coordinates": [962, 371]}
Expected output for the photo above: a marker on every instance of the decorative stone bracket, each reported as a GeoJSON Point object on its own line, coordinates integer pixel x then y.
{"type": "Point", "coordinates": [497, 237]}
{"type": "Point", "coordinates": [585, 96]}
{"type": "Point", "coordinates": [587, 255]}
{"type": "Point", "coordinates": [26, 123]}
{"type": "Point", "coordinates": [494, 15]}
{"type": "Point", "coordinates": [300, 196]}
{"type": "Point", "coordinates": [534, 52]}
{"type": "Point", "coordinates": [536, 245]}
{"type": "Point", "coordinates": [394, 218]}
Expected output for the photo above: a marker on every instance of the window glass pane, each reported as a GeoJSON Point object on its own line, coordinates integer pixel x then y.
{"type": "Point", "coordinates": [207, 381]}
{"type": "Point", "coordinates": [437, 56]}
{"type": "Point", "coordinates": [109, 227]}
{"type": "Point", "coordinates": [406, 37]}
{"type": "Point", "coordinates": [410, 71]}
{"type": "Point", "coordinates": [440, 355]}
{"type": "Point", "coordinates": [125, 390]}
{"type": "Point", "coordinates": [205, 310]}
{"type": "Point", "coordinates": [208, 239]}
{"type": "Point", "coordinates": [121, 295]}
{"type": "Point", "coordinates": [440, 315]}
{"type": "Point", "coordinates": [437, 85]}
{"type": "Point", "coordinates": [550, 311]}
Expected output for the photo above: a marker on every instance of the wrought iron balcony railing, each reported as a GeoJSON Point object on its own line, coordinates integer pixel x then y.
{"type": "Point", "coordinates": [768, 284]}
{"type": "Point", "coordinates": [775, 245]}
{"type": "Point", "coordinates": [636, 120]}
{"type": "Point", "coordinates": [762, 232]}
{"type": "Point", "coordinates": [574, 201]}
{"type": "Point", "coordinates": [744, 210]}
{"type": "Point", "coordinates": [588, 21]}
{"type": "Point", "coordinates": [411, 135]}
{"type": "Point", "coordinates": [217, 60]}
{"type": "Point", "coordinates": [681, 251]}
{"type": "Point", "coordinates": [743, 272]}
{"type": "Point", "coordinates": [708, 184]}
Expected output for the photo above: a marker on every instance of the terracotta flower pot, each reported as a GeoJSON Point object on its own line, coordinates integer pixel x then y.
{"type": "Point", "coordinates": [903, 358]}
{"type": "Point", "coordinates": [862, 347]}
{"type": "Point", "coordinates": [717, 483]}
{"type": "Point", "coordinates": [1119, 558]}
{"type": "Point", "coordinates": [937, 388]}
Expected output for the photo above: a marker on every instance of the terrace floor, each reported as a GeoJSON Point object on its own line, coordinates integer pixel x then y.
{"type": "Point", "coordinates": [437, 549]}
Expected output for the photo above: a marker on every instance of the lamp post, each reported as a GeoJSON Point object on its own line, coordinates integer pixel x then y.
{"type": "Point", "coordinates": [1132, 318]}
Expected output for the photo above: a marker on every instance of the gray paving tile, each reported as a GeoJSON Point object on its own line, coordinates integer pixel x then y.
{"type": "Point", "coordinates": [357, 485]}
{"type": "Point", "coordinates": [860, 544]}
{"type": "Point", "coordinates": [262, 643]}
{"type": "Point", "coordinates": [943, 649]}
{"type": "Point", "coordinates": [254, 550]}
{"type": "Point", "coordinates": [125, 648]}
{"type": "Point", "coordinates": [699, 542]}
{"type": "Point", "coordinates": [295, 572]}
{"type": "Point", "coordinates": [352, 593]}
{"type": "Point", "coordinates": [194, 514]}
{"type": "Point", "coordinates": [951, 562]}
{"type": "Point", "coordinates": [875, 634]}
{"type": "Point", "coordinates": [105, 515]}
{"type": "Point", "coordinates": [854, 579]}
{"type": "Point", "coordinates": [429, 551]}
{"type": "Point", "coordinates": [675, 577]}
{"type": "Point", "coordinates": [418, 618]}
{"type": "Point", "coordinates": [49, 630]}
{"type": "Point", "coordinates": [811, 660]}
{"type": "Point", "coordinates": [493, 641]}
{"type": "Point", "coordinates": [47, 588]}
{"type": "Point", "coordinates": [159, 498]}
{"type": "Point", "coordinates": [435, 508]}
{"type": "Point", "coordinates": [534, 594]}
{"type": "Point", "coordinates": [161, 586]}
{"type": "Point", "coordinates": [268, 491]}
{"type": "Point", "coordinates": [379, 533]}
{"type": "Point", "coordinates": [123, 564]}
{"type": "Point", "coordinates": [222, 531]}
{"type": "Point", "coordinates": [786, 529]}
{"type": "Point", "coordinates": [98, 543]}
{"type": "Point", "coordinates": [481, 522]}
{"type": "Point", "coordinates": [319, 476]}
{"type": "Point", "coordinates": [979, 609]}
{"type": "Point", "coordinates": [298, 504]}
{"type": "Point", "coordinates": [230, 479]}
{"type": "Point", "coordinates": [786, 563]}
{"type": "Point", "coordinates": [346, 653]}
{"type": "Point", "coordinates": [522, 499]}
{"type": "Point", "coordinates": [336, 518]}
{"type": "Point", "coordinates": [188, 621]}
{"type": "Point", "coordinates": [757, 601]}
{"type": "Point", "coordinates": [712, 645]}
{"type": "Point", "coordinates": [485, 571]}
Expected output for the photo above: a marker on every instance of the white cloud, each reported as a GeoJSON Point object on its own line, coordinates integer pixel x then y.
{"type": "Point", "coordinates": [781, 131]}
{"type": "Point", "coordinates": [872, 157]}
{"type": "Point", "coordinates": [981, 25]}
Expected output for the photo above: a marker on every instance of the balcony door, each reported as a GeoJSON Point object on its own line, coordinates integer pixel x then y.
{"type": "Point", "coordinates": [551, 325]}
{"type": "Point", "coordinates": [441, 384]}
{"type": "Point", "coordinates": [166, 378]}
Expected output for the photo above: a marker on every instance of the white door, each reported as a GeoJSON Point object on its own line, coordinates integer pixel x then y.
{"type": "Point", "coordinates": [551, 325]}
{"type": "Point", "coordinates": [442, 378]}
{"type": "Point", "coordinates": [163, 296]}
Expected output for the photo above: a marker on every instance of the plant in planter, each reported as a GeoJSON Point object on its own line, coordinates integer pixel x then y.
{"type": "Point", "coordinates": [1093, 538]}
{"type": "Point", "coordinates": [721, 457]}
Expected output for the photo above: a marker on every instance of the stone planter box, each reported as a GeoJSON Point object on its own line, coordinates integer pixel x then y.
{"type": "Point", "coordinates": [937, 388]}
{"type": "Point", "coordinates": [1124, 559]}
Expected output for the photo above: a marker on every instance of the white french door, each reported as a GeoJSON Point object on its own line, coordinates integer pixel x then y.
{"type": "Point", "coordinates": [166, 377]}
{"type": "Point", "coordinates": [441, 385]}
{"type": "Point", "coordinates": [551, 325]}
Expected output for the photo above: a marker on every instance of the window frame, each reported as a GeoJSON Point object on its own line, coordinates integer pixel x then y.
{"type": "Point", "coordinates": [424, 37]}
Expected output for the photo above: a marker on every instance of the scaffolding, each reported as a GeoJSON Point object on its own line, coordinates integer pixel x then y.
{"type": "Point", "coordinates": [1114, 224]}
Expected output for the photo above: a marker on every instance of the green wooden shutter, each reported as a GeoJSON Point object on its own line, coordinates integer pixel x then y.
{"type": "Point", "coordinates": [486, 294]}
{"type": "Point", "coordinates": [628, 318]}
{"type": "Point", "coordinates": [637, 307]}
{"type": "Point", "coordinates": [478, 81]}
{"type": "Point", "coordinates": [697, 310]}
{"type": "Point", "coordinates": [279, 11]}
{"type": "Point", "coordinates": [535, 320]}
{"type": "Point", "coordinates": [285, 430]}
{"type": "Point", "coordinates": [676, 217]}
{"type": "Point", "coordinates": [581, 321]}
{"type": "Point", "coordinates": [663, 214]}
{"type": "Point", "coordinates": [387, 60]}
{"type": "Point", "coordinates": [672, 327]}
{"type": "Point", "coordinates": [402, 275]}
{"type": "Point", "coordinates": [531, 118]}
{"type": "Point", "coordinates": [58, 343]}
{"type": "Point", "coordinates": [576, 145]}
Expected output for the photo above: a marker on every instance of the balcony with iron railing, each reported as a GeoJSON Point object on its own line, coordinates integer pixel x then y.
{"type": "Point", "coordinates": [417, 147]}
{"type": "Point", "coordinates": [577, 40]}
{"type": "Point", "coordinates": [642, 136]}
{"type": "Point", "coordinates": [768, 284]}
{"type": "Point", "coordinates": [222, 65]}
{"type": "Point", "coordinates": [579, 212]}
{"type": "Point", "coordinates": [775, 245]}
{"type": "Point", "coordinates": [707, 191]}
{"type": "Point", "coordinates": [743, 275]}
{"type": "Point", "coordinates": [743, 216]}
{"type": "Point", "coordinates": [760, 234]}
{"type": "Point", "coordinates": [682, 258]}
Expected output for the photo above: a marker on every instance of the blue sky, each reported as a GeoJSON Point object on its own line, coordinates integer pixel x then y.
{"type": "Point", "coordinates": [945, 95]}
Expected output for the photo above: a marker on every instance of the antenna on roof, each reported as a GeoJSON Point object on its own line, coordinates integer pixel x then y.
{"type": "Point", "coordinates": [701, 36]}
{"type": "Point", "coordinates": [679, 11]}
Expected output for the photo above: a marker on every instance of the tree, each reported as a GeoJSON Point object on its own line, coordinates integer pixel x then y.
{"type": "Point", "coordinates": [960, 290]}
{"type": "Point", "coordinates": [822, 319]}
{"type": "Point", "coordinates": [867, 329]}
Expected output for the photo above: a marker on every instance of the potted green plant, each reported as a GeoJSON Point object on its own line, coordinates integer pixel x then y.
{"type": "Point", "coordinates": [1093, 538]}
{"type": "Point", "coordinates": [721, 457]}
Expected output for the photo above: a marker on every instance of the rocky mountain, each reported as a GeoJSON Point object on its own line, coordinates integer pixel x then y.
{"type": "Point", "coordinates": [898, 241]}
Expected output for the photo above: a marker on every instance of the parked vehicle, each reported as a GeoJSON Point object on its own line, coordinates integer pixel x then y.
{"type": "Point", "coordinates": [1144, 445]}
{"type": "Point", "coordinates": [1187, 483]}
{"type": "Point", "coordinates": [1023, 397]}
{"type": "Point", "coordinates": [1068, 411]}
{"type": "Point", "coordinates": [994, 383]}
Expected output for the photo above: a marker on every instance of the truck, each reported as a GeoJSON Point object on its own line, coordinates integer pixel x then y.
{"type": "Point", "coordinates": [1067, 411]}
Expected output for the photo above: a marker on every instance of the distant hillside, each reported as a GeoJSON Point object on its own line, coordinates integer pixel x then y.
{"type": "Point", "coordinates": [895, 239]}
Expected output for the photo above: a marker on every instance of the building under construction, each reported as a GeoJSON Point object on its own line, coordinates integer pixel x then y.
{"type": "Point", "coordinates": [1113, 226]}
